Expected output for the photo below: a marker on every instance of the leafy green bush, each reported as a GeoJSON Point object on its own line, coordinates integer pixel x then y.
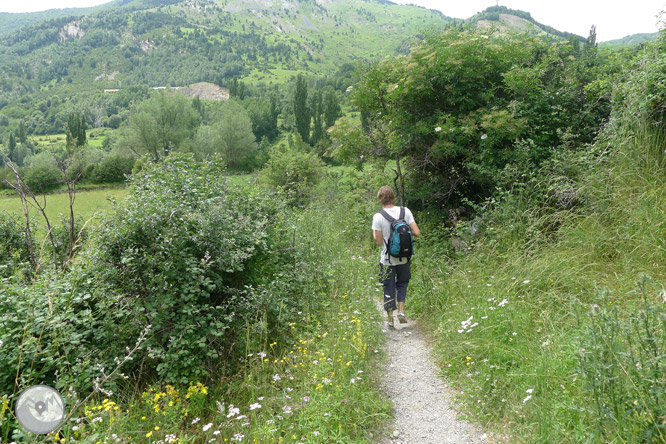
{"type": "Point", "coordinates": [13, 249]}
{"type": "Point", "coordinates": [295, 172]}
{"type": "Point", "coordinates": [191, 253]}
{"type": "Point", "coordinates": [43, 175]}
{"type": "Point", "coordinates": [58, 331]}
{"type": "Point", "coordinates": [113, 169]}
{"type": "Point", "coordinates": [463, 105]}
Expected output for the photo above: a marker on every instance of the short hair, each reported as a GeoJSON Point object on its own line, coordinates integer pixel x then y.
{"type": "Point", "coordinates": [385, 195]}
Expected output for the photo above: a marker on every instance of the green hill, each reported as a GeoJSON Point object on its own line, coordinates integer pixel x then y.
{"type": "Point", "coordinates": [512, 20]}
{"type": "Point", "coordinates": [149, 43]}
{"type": "Point", "coordinates": [631, 40]}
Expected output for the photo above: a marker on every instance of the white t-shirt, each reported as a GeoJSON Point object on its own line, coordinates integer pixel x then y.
{"type": "Point", "coordinates": [380, 223]}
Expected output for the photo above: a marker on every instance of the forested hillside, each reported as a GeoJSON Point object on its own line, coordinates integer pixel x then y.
{"type": "Point", "coordinates": [49, 69]}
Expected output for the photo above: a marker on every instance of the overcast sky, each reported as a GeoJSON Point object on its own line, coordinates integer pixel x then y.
{"type": "Point", "coordinates": [614, 18]}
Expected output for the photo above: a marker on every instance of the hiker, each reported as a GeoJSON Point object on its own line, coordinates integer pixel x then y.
{"type": "Point", "coordinates": [394, 271]}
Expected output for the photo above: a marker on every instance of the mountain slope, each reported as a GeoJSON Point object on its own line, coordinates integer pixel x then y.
{"type": "Point", "coordinates": [153, 43]}
{"type": "Point", "coordinates": [504, 19]}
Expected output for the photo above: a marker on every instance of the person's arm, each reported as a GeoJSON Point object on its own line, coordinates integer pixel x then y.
{"type": "Point", "coordinates": [415, 229]}
{"type": "Point", "coordinates": [379, 238]}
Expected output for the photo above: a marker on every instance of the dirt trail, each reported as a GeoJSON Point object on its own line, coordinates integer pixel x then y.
{"type": "Point", "coordinates": [423, 408]}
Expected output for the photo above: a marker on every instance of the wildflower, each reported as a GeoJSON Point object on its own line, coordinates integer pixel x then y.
{"type": "Point", "coordinates": [170, 438]}
{"type": "Point", "coordinates": [149, 434]}
{"type": "Point", "coordinates": [207, 426]}
{"type": "Point", "coordinates": [503, 303]}
{"type": "Point", "coordinates": [529, 391]}
{"type": "Point", "coordinates": [261, 354]}
{"type": "Point", "coordinates": [216, 432]}
{"type": "Point", "coordinates": [233, 411]}
{"type": "Point", "coordinates": [438, 129]}
{"type": "Point", "coordinates": [526, 281]}
{"type": "Point", "coordinates": [195, 420]}
{"type": "Point", "coordinates": [255, 406]}
{"type": "Point", "coordinates": [527, 398]}
{"type": "Point", "coordinates": [306, 398]}
{"type": "Point", "coordinates": [276, 377]}
{"type": "Point", "coordinates": [238, 437]}
{"type": "Point", "coordinates": [484, 137]}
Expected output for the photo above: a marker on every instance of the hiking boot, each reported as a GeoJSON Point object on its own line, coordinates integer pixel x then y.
{"type": "Point", "coordinates": [402, 318]}
{"type": "Point", "coordinates": [390, 326]}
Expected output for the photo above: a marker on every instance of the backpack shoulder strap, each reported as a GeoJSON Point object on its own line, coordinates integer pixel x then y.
{"type": "Point", "coordinates": [402, 213]}
{"type": "Point", "coordinates": [387, 216]}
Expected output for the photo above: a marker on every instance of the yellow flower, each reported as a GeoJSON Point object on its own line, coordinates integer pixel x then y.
{"type": "Point", "coordinates": [149, 434]}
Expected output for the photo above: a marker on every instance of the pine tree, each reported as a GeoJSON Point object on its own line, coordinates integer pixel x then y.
{"type": "Point", "coordinates": [301, 111]}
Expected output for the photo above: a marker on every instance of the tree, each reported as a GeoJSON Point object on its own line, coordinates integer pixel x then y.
{"type": "Point", "coordinates": [263, 116]}
{"type": "Point", "coordinates": [331, 108]}
{"type": "Point", "coordinates": [591, 41]}
{"type": "Point", "coordinates": [75, 129]}
{"type": "Point", "coordinates": [301, 110]}
{"type": "Point", "coordinates": [317, 111]}
{"type": "Point", "coordinates": [21, 133]}
{"type": "Point", "coordinates": [165, 123]}
{"type": "Point", "coordinates": [231, 136]}
{"type": "Point", "coordinates": [11, 146]}
{"type": "Point", "coordinates": [464, 105]}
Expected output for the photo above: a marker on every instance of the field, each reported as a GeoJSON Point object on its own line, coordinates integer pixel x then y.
{"type": "Point", "coordinates": [87, 204]}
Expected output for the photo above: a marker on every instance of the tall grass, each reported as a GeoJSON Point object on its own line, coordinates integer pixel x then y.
{"type": "Point", "coordinates": [553, 324]}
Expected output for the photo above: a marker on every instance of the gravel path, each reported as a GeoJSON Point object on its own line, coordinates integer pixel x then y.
{"type": "Point", "coordinates": [423, 410]}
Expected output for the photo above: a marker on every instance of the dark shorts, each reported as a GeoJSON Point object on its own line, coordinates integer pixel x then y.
{"type": "Point", "coordinates": [395, 279]}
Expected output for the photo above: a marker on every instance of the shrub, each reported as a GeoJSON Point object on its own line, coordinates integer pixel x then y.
{"type": "Point", "coordinates": [294, 172]}
{"type": "Point", "coordinates": [188, 250]}
{"type": "Point", "coordinates": [57, 332]}
{"type": "Point", "coordinates": [13, 250]}
{"type": "Point", "coordinates": [42, 178]}
{"type": "Point", "coordinates": [113, 169]}
{"type": "Point", "coordinates": [42, 173]}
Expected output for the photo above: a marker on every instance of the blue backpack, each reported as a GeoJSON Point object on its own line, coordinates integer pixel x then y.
{"type": "Point", "coordinates": [400, 243]}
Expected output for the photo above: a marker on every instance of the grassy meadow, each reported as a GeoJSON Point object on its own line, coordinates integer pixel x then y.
{"type": "Point", "coordinates": [87, 203]}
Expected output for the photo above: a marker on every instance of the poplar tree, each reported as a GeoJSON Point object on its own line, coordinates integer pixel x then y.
{"type": "Point", "coordinates": [301, 111]}
{"type": "Point", "coordinates": [331, 108]}
{"type": "Point", "coordinates": [317, 110]}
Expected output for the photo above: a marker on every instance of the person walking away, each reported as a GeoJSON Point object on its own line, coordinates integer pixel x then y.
{"type": "Point", "coordinates": [394, 272]}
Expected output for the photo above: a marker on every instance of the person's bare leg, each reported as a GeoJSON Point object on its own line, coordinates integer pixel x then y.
{"type": "Point", "coordinates": [390, 315]}
{"type": "Point", "coordinates": [401, 307]}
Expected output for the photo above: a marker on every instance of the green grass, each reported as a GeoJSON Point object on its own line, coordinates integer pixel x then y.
{"type": "Point", "coordinates": [516, 318]}
{"type": "Point", "coordinates": [95, 139]}
{"type": "Point", "coordinates": [86, 205]}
